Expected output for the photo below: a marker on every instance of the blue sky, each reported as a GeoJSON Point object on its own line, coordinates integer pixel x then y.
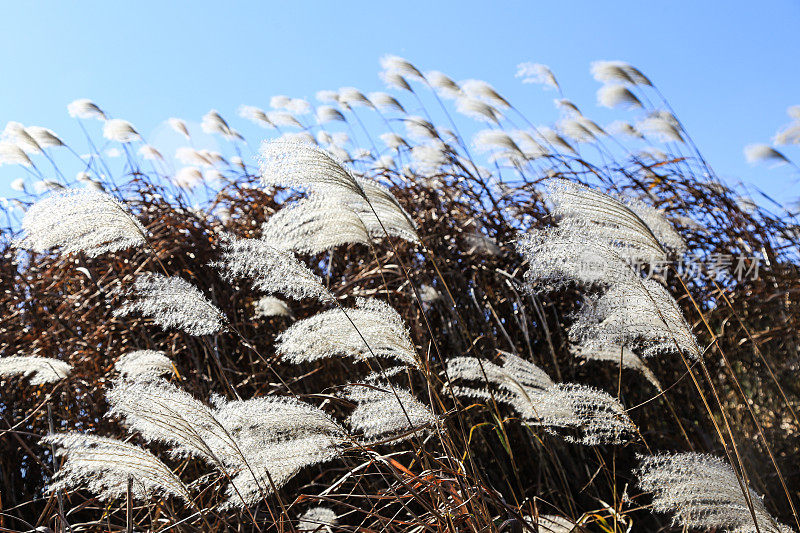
{"type": "Point", "coordinates": [729, 68]}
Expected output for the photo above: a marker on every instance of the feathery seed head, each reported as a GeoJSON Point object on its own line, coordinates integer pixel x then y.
{"type": "Point", "coordinates": [85, 108]}
{"type": "Point", "coordinates": [81, 220]}
{"type": "Point", "coordinates": [38, 370]}
{"type": "Point", "coordinates": [383, 410]}
{"type": "Point", "coordinates": [618, 71]}
{"type": "Point", "coordinates": [173, 302]}
{"type": "Point", "coordinates": [537, 73]}
{"type": "Point", "coordinates": [120, 131]}
{"type": "Point", "coordinates": [271, 268]}
{"type": "Point", "coordinates": [614, 95]}
{"type": "Point", "coordinates": [376, 330]}
{"type": "Point", "coordinates": [702, 492]}
{"type": "Point", "coordinates": [147, 364]}
{"type": "Point", "coordinates": [104, 466]}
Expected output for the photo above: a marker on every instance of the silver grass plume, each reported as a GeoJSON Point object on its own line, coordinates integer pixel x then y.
{"type": "Point", "coordinates": [179, 126]}
{"type": "Point", "coordinates": [143, 364]}
{"type": "Point", "coordinates": [268, 306]}
{"type": "Point", "coordinates": [592, 414]}
{"type": "Point", "coordinates": [384, 410]}
{"type": "Point", "coordinates": [386, 101]}
{"type": "Point", "coordinates": [173, 302]}
{"type": "Point", "coordinates": [161, 412]}
{"type": "Point", "coordinates": [104, 465]}
{"type": "Point", "coordinates": [477, 109]}
{"type": "Point", "coordinates": [397, 64]}
{"type": "Point", "coordinates": [790, 134]}
{"type": "Point", "coordinates": [120, 131]}
{"type": "Point", "coordinates": [537, 73]}
{"type": "Point", "coordinates": [11, 154]}
{"type": "Point", "coordinates": [84, 220]}
{"type": "Point", "coordinates": [38, 370]}
{"type": "Point", "coordinates": [663, 125]}
{"type": "Point", "coordinates": [379, 331]}
{"type": "Point", "coordinates": [302, 165]}
{"type": "Point", "coordinates": [548, 523]}
{"type": "Point", "coordinates": [85, 108]}
{"type": "Point", "coordinates": [618, 71]}
{"type": "Point", "coordinates": [313, 225]}
{"type": "Point", "coordinates": [16, 133]}
{"type": "Point", "coordinates": [559, 256]}
{"type": "Point", "coordinates": [616, 355]}
{"type": "Point", "coordinates": [702, 492]}
{"type": "Point", "coordinates": [614, 95]}
{"type": "Point", "coordinates": [636, 313]}
{"type": "Point", "coordinates": [597, 416]}
{"type": "Point", "coordinates": [444, 84]}
{"type": "Point", "coordinates": [756, 153]}
{"type": "Point", "coordinates": [276, 437]}
{"type": "Point", "coordinates": [322, 222]}
{"type": "Point", "coordinates": [598, 214]}
{"type": "Point", "coordinates": [317, 519]}
{"type": "Point", "coordinates": [516, 376]}
{"type": "Point", "coordinates": [271, 268]}
{"type": "Point", "coordinates": [481, 89]}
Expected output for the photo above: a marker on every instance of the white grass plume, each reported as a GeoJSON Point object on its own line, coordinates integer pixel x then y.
{"type": "Point", "coordinates": [11, 154]}
{"type": "Point", "coordinates": [317, 519]}
{"type": "Point", "coordinates": [313, 225]}
{"type": "Point", "coordinates": [702, 492]}
{"type": "Point", "coordinates": [38, 370]}
{"type": "Point", "coordinates": [636, 313]}
{"type": "Point", "coordinates": [385, 101]}
{"type": "Point", "coordinates": [85, 108]}
{"type": "Point", "coordinates": [596, 416]}
{"type": "Point", "coordinates": [757, 153]}
{"type": "Point", "coordinates": [84, 220]}
{"type": "Point", "coordinates": [384, 410]}
{"type": "Point", "coordinates": [307, 166]}
{"type": "Point", "coordinates": [331, 334]}
{"type": "Point", "coordinates": [179, 126]}
{"type": "Point", "coordinates": [618, 71]}
{"type": "Point", "coordinates": [444, 84]}
{"type": "Point", "coordinates": [120, 131]}
{"type": "Point", "coordinates": [251, 441]}
{"type": "Point", "coordinates": [616, 354]}
{"type": "Point", "coordinates": [276, 437]}
{"type": "Point", "coordinates": [104, 465]}
{"type": "Point", "coordinates": [557, 257]}
{"type": "Point", "coordinates": [326, 113]}
{"type": "Point", "coordinates": [303, 166]}
{"type": "Point", "coordinates": [516, 375]}
{"type": "Point", "coordinates": [603, 216]}
{"type": "Point", "coordinates": [273, 270]}
{"type": "Point", "coordinates": [662, 125]}
{"type": "Point", "coordinates": [16, 133]}
{"type": "Point", "coordinates": [537, 73]}
{"type": "Point", "coordinates": [478, 110]}
{"type": "Point", "coordinates": [590, 415]}
{"type": "Point", "coordinates": [401, 66]}
{"type": "Point", "coordinates": [614, 95]}
{"type": "Point", "coordinates": [150, 153]}
{"type": "Point", "coordinates": [173, 302]}
{"type": "Point", "coordinates": [481, 89]}
{"type": "Point", "coordinates": [143, 364]}
{"type": "Point", "coordinates": [268, 306]}
{"type": "Point", "coordinates": [188, 178]}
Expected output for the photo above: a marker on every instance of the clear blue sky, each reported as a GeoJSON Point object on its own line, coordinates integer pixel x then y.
{"type": "Point", "coordinates": [729, 68]}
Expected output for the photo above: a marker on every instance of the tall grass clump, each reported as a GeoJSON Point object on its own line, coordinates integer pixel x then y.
{"type": "Point", "coordinates": [405, 310]}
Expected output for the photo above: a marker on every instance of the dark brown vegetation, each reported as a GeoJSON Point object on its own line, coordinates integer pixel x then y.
{"type": "Point", "coordinates": [486, 471]}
